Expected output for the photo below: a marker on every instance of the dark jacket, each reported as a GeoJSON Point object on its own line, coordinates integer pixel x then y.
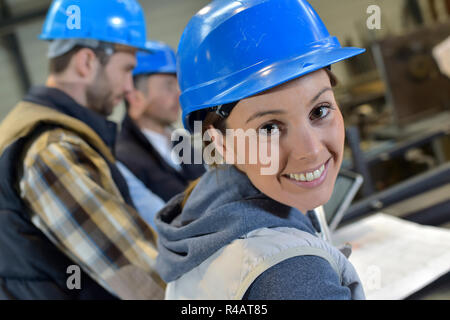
{"type": "Point", "coordinates": [135, 151]}
{"type": "Point", "coordinates": [32, 267]}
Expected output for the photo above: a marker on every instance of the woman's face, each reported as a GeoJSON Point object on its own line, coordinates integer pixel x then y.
{"type": "Point", "coordinates": [304, 119]}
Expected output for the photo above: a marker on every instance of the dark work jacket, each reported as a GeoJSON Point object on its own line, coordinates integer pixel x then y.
{"type": "Point", "coordinates": [32, 267]}
{"type": "Point", "coordinates": [135, 151]}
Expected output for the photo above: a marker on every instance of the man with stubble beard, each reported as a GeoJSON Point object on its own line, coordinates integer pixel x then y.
{"type": "Point", "coordinates": [68, 226]}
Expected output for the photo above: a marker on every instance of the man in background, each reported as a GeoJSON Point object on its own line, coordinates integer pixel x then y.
{"type": "Point", "coordinates": [144, 144]}
{"type": "Point", "coordinates": [68, 226]}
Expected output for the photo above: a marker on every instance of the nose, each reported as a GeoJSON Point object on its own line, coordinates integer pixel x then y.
{"type": "Point", "coordinates": [129, 85]}
{"type": "Point", "coordinates": [176, 91]}
{"type": "Point", "coordinates": [306, 144]}
{"type": "Point", "coordinates": [176, 94]}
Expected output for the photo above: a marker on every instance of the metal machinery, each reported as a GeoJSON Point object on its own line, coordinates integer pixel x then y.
{"type": "Point", "coordinates": [418, 96]}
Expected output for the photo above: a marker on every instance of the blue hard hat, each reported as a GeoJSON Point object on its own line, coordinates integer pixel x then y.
{"type": "Point", "coordinates": [160, 59]}
{"type": "Point", "coordinates": [114, 21]}
{"type": "Point", "coordinates": [231, 50]}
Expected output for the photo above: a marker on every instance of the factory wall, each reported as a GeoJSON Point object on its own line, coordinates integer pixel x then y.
{"type": "Point", "coordinates": [167, 19]}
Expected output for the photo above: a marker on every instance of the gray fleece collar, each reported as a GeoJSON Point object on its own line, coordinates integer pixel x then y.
{"type": "Point", "coordinates": [223, 207]}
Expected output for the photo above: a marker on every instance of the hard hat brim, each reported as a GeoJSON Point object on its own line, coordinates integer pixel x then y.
{"type": "Point", "coordinates": [260, 78]}
{"type": "Point", "coordinates": [142, 48]}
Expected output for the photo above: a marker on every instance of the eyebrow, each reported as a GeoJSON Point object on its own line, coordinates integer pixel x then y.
{"type": "Point", "coordinates": [264, 113]}
{"type": "Point", "coordinates": [321, 92]}
{"type": "Point", "coordinates": [130, 66]}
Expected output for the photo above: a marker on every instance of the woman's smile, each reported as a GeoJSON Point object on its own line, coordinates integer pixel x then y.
{"type": "Point", "coordinates": [309, 178]}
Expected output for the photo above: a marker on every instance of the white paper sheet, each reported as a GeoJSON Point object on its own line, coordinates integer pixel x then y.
{"type": "Point", "coordinates": [393, 257]}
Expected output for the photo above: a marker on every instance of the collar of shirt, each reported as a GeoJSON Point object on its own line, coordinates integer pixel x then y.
{"type": "Point", "coordinates": [62, 102]}
{"type": "Point", "coordinates": [162, 144]}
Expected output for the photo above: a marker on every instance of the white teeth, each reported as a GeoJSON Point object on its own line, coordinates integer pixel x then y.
{"type": "Point", "coordinates": [317, 174]}
{"type": "Point", "coordinates": [309, 176]}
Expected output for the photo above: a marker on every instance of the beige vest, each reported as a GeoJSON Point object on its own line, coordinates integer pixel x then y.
{"type": "Point", "coordinates": [27, 116]}
{"type": "Point", "coordinates": [229, 272]}
{"type": "Point", "coordinates": [130, 282]}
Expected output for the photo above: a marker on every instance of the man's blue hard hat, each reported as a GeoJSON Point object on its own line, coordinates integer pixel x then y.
{"type": "Point", "coordinates": [114, 21]}
{"type": "Point", "coordinates": [160, 59]}
{"type": "Point", "coordinates": [231, 50]}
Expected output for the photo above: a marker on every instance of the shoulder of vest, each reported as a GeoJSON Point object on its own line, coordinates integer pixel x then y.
{"type": "Point", "coordinates": [266, 247]}
{"type": "Point", "coordinates": [252, 254]}
{"type": "Point", "coordinates": [27, 117]}
{"type": "Point", "coordinates": [54, 134]}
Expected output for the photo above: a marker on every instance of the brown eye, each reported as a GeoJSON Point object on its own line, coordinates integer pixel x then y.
{"type": "Point", "coordinates": [320, 112]}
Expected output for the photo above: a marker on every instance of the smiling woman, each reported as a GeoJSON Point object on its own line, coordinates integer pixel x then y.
{"type": "Point", "coordinates": [304, 117]}
{"type": "Point", "coordinates": [238, 233]}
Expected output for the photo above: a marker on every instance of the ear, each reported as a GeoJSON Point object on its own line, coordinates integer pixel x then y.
{"type": "Point", "coordinates": [86, 63]}
{"type": "Point", "coordinates": [137, 104]}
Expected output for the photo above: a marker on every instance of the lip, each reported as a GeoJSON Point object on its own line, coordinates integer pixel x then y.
{"type": "Point", "coordinates": [314, 183]}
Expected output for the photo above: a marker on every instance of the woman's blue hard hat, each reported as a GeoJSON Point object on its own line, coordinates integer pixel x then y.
{"type": "Point", "coordinates": [231, 50]}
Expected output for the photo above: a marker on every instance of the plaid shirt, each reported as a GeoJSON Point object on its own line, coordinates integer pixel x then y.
{"type": "Point", "coordinates": [75, 202]}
